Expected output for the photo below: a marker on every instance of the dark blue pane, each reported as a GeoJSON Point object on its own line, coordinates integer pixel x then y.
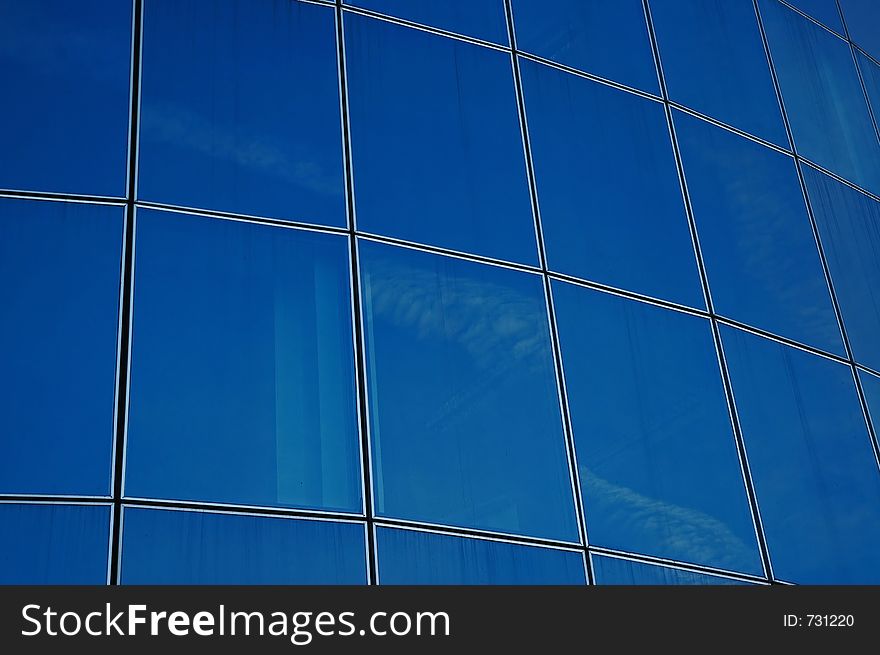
{"type": "Point", "coordinates": [464, 414]}
{"type": "Point", "coordinates": [483, 19]}
{"type": "Point", "coordinates": [240, 109]}
{"type": "Point", "coordinates": [53, 544]}
{"type": "Point", "coordinates": [871, 387]}
{"type": "Point", "coordinates": [824, 11]}
{"type": "Point", "coordinates": [714, 61]}
{"type": "Point", "coordinates": [616, 571]}
{"type": "Point", "coordinates": [242, 384]}
{"type": "Point", "coordinates": [423, 558]}
{"type": "Point", "coordinates": [849, 227]}
{"type": "Point", "coordinates": [64, 118]}
{"type": "Point", "coordinates": [811, 460]}
{"type": "Point", "coordinates": [436, 142]}
{"type": "Point", "coordinates": [608, 38]}
{"type": "Point", "coordinates": [824, 99]}
{"type": "Point", "coordinates": [757, 243]}
{"type": "Point", "coordinates": [658, 465]}
{"type": "Point", "coordinates": [610, 199]}
{"type": "Point", "coordinates": [59, 293]}
{"type": "Point", "coordinates": [863, 22]}
{"type": "Point", "coordinates": [177, 547]}
{"type": "Point", "coordinates": [871, 76]}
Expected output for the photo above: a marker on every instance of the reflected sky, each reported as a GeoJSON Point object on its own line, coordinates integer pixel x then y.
{"type": "Point", "coordinates": [862, 18]}
{"type": "Point", "coordinates": [825, 11]}
{"type": "Point", "coordinates": [615, 571]}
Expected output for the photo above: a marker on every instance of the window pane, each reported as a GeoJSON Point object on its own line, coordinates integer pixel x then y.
{"type": "Point", "coordinates": [465, 419]}
{"type": "Point", "coordinates": [616, 571]}
{"type": "Point", "coordinates": [811, 461]}
{"type": "Point", "coordinates": [436, 142]}
{"type": "Point", "coordinates": [871, 76]}
{"type": "Point", "coordinates": [54, 544]}
{"type": "Point", "coordinates": [824, 11]}
{"type": "Point", "coordinates": [871, 387]}
{"type": "Point", "coordinates": [423, 558]}
{"type": "Point", "coordinates": [65, 70]}
{"type": "Point", "coordinates": [863, 22]}
{"type": "Point", "coordinates": [714, 61]}
{"type": "Point", "coordinates": [823, 96]}
{"type": "Point", "coordinates": [849, 226]}
{"type": "Point", "coordinates": [242, 382]}
{"type": "Point", "coordinates": [761, 256]}
{"type": "Point", "coordinates": [483, 19]}
{"type": "Point", "coordinates": [176, 547]}
{"type": "Point", "coordinates": [608, 38]}
{"type": "Point", "coordinates": [658, 465]}
{"type": "Point", "coordinates": [240, 109]}
{"type": "Point", "coordinates": [59, 293]}
{"type": "Point", "coordinates": [610, 199]}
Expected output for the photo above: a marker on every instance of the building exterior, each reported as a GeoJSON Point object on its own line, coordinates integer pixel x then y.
{"type": "Point", "coordinates": [473, 291]}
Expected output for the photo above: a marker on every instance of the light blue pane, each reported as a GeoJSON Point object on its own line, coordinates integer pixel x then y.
{"type": "Point", "coordinates": [407, 557]}
{"type": "Point", "coordinates": [863, 22]}
{"type": "Point", "coordinates": [175, 547]}
{"type": "Point", "coordinates": [608, 38]}
{"type": "Point", "coordinates": [436, 142]}
{"type": "Point", "coordinates": [658, 465]}
{"type": "Point", "coordinates": [53, 544]}
{"type": "Point", "coordinates": [64, 118]}
{"type": "Point", "coordinates": [757, 243]}
{"type": "Point", "coordinates": [464, 413]}
{"type": "Point", "coordinates": [483, 19]}
{"type": "Point", "coordinates": [240, 109]}
{"type": "Point", "coordinates": [811, 460]}
{"type": "Point", "coordinates": [824, 11]}
{"type": "Point", "coordinates": [616, 571]}
{"type": "Point", "coordinates": [610, 198]}
{"type": "Point", "coordinates": [871, 388]}
{"type": "Point", "coordinates": [824, 99]}
{"type": "Point", "coordinates": [714, 61]}
{"type": "Point", "coordinates": [849, 227]}
{"type": "Point", "coordinates": [871, 76]}
{"type": "Point", "coordinates": [59, 294]}
{"type": "Point", "coordinates": [242, 383]}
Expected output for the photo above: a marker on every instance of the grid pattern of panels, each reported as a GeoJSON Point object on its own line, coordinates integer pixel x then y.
{"type": "Point", "coordinates": [404, 293]}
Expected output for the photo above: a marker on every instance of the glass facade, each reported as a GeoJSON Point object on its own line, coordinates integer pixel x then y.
{"type": "Point", "coordinates": [413, 292]}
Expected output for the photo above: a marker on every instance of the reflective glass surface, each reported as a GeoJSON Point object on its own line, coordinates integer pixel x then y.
{"type": "Point", "coordinates": [54, 544]}
{"type": "Point", "coordinates": [243, 98]}
{"type": "Point", "coordinates": [178, 547]}
{"type": "Point", "coordinates": [483, 19]}
{"type": "Point", "coordinates": [719, 68]}
{"type": "Point", "coordinates": [616, 571]}
{"type": "Point", "coordinates": [610, 198]}
{"type": "Point", "coordinates": [824, 11]}
{"type": "Point", "coordinates": [849, 227]}
{"type": "Point", "coordinates": [871, 76]}
{"type": "Point", "coordinates": [812, 464]}
{"type": "Point", "coordinates": [59, 294]}
{"type": "Point", "coordinates": [424, 558]}
{"type": "Point", "coordinates": [242, 383]}
{"type": "Point", "coordinates": [863, 22]}
{"type": "Point", "coordinates": [64, 118]}
{"type": "Point", "coordinates": [658, 465]}
{"type": "Point", "coordinates": [608, 38]}
{"type": "Point", "coordinates": [464, 415]}
{"type": "Point", "coordinates": [871, 388]}
{"type": "Point", "coordinates": [436, 142]}
{"type": "Point", "coordinates": [758, 246]}
{"type": "Point", "coordinates": [823, 97]}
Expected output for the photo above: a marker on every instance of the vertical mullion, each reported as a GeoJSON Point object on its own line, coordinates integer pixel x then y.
{"type": "Point", "coordinates": [872, 111]}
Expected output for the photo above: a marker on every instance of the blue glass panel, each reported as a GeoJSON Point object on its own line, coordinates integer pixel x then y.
{"type": "Point", "coordinates": [423, 558]}
{"type": "Point", "coordinates": [758, 246]}
{"type": "Point", "coordinates": [658, 465]}
{"type": "Point", "coordinates": [240, 109]}
{"type": "Point", "coordinates": [863, 22]}
{"type": "Point", "coordinates": [176, 547]}
{"type": "Point", "coordinates": [714, 61]}
{"type": "Point", "coordinates": [608, 38]}
{"type": "Point", "coordinates": [242, 383]}
{"type": "Point", "coordinates": [54, 544]}
{"type": "Point", "coordinates": [824, 99]}
{"type": "Point", "coordinates": [59, 293]}
{"type": "Point", "coordinates": [465, 420]}
{"type": "Point", "coordinates": [611, 205]}
{"type": "Point", "coordinates": [483, 19]}
{"type": "Point", "coordinates": [871, 76]}
{"type": "Point", "coordinates": [871, 387]}
{"type": "Point", "coordinates": [616, 571]}
{"type": "Point", "coordinates": [849, 227]}
{"type": "Point", "coordinates": [811, 460]}
{"type": "Point", "coordinates": [64, 119]}
{"type": "Point", "coordinates": [824, 11]}
{"type": "Point", "coordinates": [436, 142]}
